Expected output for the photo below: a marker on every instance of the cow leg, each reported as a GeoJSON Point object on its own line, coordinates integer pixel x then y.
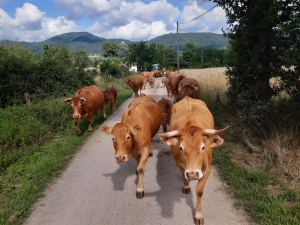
{"type": "Point", "coordinates": [141, 170]}
{"type": "Point", "coordinates": [103, 108]}
{"type": "Point", "coordinates": [115, 103]}
{"type": "Point", "coordinates": [90, 121]}
{"type": "Point", "coordinates": [78, 131]}
{"type": "Point", "coordinates": [198, 219]}
{"type": "Point", "coordinates": [164, 125]}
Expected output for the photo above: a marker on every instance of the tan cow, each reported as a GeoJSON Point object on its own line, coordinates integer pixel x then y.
{"type": "Point", "coordinates": [191, 137]}
{"type": "Point", "coordinates": [85, 104]}
{"type": "Point", "coordinates": [152, 82]}
{"type": "Point", "coordinates": [165, 106]}
{"type": "Point", "coordinates": [170, 73]}
{"type": "Point", "coordinates": [173, 85]}
{"type": "Point", "coordinates": [110, 97]}
{"type": "Point", "coordinates": [157, 73]}
{"type": "Point", "coordinates": [132, 136]}
{"type": "Point", "coordinates": [189, 87]}
{"type": "Point", "coordinates": [135, 83]}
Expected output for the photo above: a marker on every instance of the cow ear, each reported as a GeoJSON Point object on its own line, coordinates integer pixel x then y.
{"type": "Point", "coordinates": [106, 129]}
{"type": "Point", "coordinates": [214, 140]}
{"type": "Point", "coordinates": [136, 129]}
{"type": "Point", "coordinates": [169, 140]}
{"type": "Point", "coordinates": [68, 100]}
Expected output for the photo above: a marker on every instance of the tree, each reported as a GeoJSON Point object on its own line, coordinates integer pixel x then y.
{"type": "Point", "coordinates": [110, 49]}
{"type": "Point", "coordinates": [264, 36]}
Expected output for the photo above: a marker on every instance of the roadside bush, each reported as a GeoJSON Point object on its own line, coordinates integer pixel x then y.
{"type": "Point", "coordinates": [24, 127]}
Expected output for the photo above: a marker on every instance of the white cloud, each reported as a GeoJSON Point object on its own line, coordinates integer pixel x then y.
{"type": "Point", "coordinates": [30, 24]}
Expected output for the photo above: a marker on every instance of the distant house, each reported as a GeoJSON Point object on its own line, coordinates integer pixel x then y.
{"type": "Point", "coordinates": [133, 68]}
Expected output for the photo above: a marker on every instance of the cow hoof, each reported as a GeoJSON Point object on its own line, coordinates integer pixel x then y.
{"type": "Point", "coordinates": [198, 221]}
{"type": "Point", "coordinates": [140, 195]}
{"type": "Point", "coordinates": [186, 190]}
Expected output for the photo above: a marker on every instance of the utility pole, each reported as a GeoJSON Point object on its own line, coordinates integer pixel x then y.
{"type": "Point", "coordinates": [177, 51]}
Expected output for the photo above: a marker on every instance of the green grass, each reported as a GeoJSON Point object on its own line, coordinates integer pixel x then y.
{"type": "Point", "coordinates": [251, 189]}
{"type": "Point", "coordinates": [29, 167]}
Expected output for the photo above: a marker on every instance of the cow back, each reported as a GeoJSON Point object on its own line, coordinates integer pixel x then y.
{"type": "Point", "coordinates": [110, 95]}
{"type": "Point", "coordinates": [191, 112]}
{"type": "Point", "coordinates": [145, 112]}
{"type": "Point", "coordinates": [94, 96]}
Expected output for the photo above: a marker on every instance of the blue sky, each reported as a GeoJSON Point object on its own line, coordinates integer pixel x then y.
{"type": "Point", "coordinates": [38, 20]}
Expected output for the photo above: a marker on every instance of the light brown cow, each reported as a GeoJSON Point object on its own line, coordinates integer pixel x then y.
{"type": "Point", "coordinates": [135, 83]}
{"type": "Point", "coordinates": [152, 82]}
{"type": "Point", "coordinates": [85, 104]}
{"type": "Point", "coordinates": [165, 107]}
{"type": "Point", "coordinates": [110, 97]}
{"type": "Point", "coordinates": [132, 136]}
{"type": "Point", "coordinates": [163, 81]}
{"type": "Point", "coordinates": [170, 73]}
{"type": "Point", "coordinates": [189, 87]}
{"type": "Point", "coordinates": [157, 73]}
{"type": "Point", "coordinates": [173, 85]}
{"type": "Point", "coordinates": [191, 137]}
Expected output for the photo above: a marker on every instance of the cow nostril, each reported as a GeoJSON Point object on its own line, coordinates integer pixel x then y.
{"type": "Point", "coordinates": [120, 158]}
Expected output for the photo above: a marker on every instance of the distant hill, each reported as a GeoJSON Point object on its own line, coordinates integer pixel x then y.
{"type": "Point", "coordinates": [92, 44]}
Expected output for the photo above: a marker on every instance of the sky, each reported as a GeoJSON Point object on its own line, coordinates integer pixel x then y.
{"type": "Point", "coordinates": [135, 20]}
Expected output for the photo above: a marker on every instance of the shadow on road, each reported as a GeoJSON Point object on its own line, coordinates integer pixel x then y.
{"type": "Point", "coordinates": [124, 171]}
{"type": "Point", "coordinates": [171, 183]}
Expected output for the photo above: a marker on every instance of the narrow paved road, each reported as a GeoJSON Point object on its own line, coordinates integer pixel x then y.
{"type": "Point", "coordinates": [95, 190]}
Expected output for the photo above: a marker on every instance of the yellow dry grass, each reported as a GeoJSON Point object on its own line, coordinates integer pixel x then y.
{"type": "Point", "coordinates": [212, 81]}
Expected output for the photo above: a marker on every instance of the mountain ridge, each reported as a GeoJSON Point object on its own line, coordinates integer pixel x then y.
{"type": "Point", "coordinates": [92, 43]}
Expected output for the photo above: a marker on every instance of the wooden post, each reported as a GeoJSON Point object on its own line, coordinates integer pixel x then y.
{"type": "Point", "coordinates": [27, 98]}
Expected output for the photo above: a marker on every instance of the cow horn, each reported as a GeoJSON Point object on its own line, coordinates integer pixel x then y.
{"type": "Point", "coordinates": [179, 88]}
{"type": "Point", "coordinates": [83, 99]}
{"type": "Point", "coordinates": [212, 131]}
{"type": "Point", "coordinates": [195, 87]}
{"type": "Point", "coordinates": [67, 99]}
{"type": "Point", "coordinates": [170, 134]}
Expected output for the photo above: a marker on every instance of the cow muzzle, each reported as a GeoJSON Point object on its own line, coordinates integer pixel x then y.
{"type": "Point", "coordinates": [76, 116]}
{"type": "Point", "coordinates": [193, 174]}
{"type": "Point", "coordinates": [121, 158]}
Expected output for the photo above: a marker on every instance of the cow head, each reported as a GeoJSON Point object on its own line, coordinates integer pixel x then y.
{"type": "Point", "coordinates": [194, 145]}
{"type": "Point", "coordinates": [122, 138]}
{"type": "Point", "coordinates": [76, 103]}
{"type": "Point", "coordinates": [128, 82]}
{"type": "Point", "coordinates": [186, 90]}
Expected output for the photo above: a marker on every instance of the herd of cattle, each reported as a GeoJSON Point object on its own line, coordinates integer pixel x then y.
{"type": "Point", "coordinates": [191, 134]}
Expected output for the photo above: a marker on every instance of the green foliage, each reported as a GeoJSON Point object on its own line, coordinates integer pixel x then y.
{"type": "Point", "coordinates": [110, 49]}
{"type": "Point", "coordinates": [110, 67]}
{"type": "Point", "coordinates": [262, 47]}
{"type": "Point", "coordinates": [56, 73]}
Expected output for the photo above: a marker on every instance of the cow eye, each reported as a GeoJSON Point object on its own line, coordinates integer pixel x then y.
{"type": "Point", "coordinates": [202, 148]}
{"type": "Point", "coordinates": [80, 105]}
{"type": "Point", "coordinates": [113, 139]}
{"type": "Point", "coordinates": [127, 138]}
{"type": "Point", "coordinates": [181, 148]}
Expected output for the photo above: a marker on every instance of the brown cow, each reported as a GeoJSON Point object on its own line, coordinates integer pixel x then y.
{"type": "Point", "coordinates": [110, 97]}
{"type": "Point", "coordinates": [192, 136]}
{"type": "Point", "coordinates": [135, 83]}
{"type": "Point", "coordinates": [132, 136]}
{"type": "Point", "coordinates": [86, 103]}
{"type": "Point", "coordinates": [157, 73]}
{"type": "Point", "coordinates": [170, 73]}
{"type": "Point", "coordinates": [152, 82]}
{"type": "Point", "coordinates": [189, 87]}
{"type": "Point", "coordinates": [173, 85]}
{"type": "Point", "coordinates": [165, 107]}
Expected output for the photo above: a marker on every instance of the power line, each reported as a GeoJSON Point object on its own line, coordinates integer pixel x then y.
{"type": "Point", "coordinates": [200, 15]}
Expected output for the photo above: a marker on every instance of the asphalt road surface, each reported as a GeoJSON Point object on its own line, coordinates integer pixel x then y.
{"type": "Point", "coordinates": [95, 190]}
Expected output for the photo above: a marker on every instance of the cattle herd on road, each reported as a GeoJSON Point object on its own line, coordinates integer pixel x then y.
{"type": "Point", "coordinates": [191, 134]}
